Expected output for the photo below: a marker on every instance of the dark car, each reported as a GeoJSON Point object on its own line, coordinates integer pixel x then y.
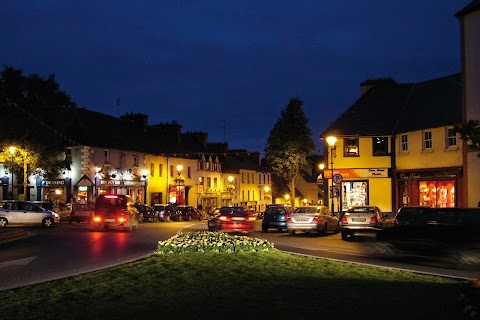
{"type": "Point", "coordinates": [231, 219]}
{"type": "Point", "coordinates": [188, 213]}
{"type": "Point", "coordinates": [115, 211]}
{"type": "Point", "coordinates": [145, 213]}
{"type": "Point", "coordinates": [165, 212]}
{"type": "Point", "coordinates": [423, 222]}
{"type": "Point", "coordinates": [275, 216]}
{"type": "Point", "coordinates": [364, 219]}
{"type": "Point", "coordinates": [81, 213]}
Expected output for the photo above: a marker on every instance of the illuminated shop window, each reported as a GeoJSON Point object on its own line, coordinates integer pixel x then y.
{"type": "Point", "coordinates": [437, 193]}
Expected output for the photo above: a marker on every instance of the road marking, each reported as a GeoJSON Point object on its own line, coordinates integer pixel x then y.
{"type": "Point", "coordinates": [18, 262]}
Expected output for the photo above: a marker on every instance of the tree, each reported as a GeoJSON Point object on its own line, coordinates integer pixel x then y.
{"type": "Point", "coordinates": [24, 102]}
{"type": "Point", "coordinates": [289, 145]}
{"type": "Point", "coordinates": [470, 133]}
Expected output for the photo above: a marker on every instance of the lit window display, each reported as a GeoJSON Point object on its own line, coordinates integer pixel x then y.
{"type": "Point", "coordinates": [354, 194]}
{"type": "Point", "coordinates": [437, 193]}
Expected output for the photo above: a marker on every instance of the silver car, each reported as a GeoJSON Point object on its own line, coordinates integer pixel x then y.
{"type": "Point", "coordinates": [318, 219]}
{"type": "Point", "coordinates": [24, 212]}
{"type": "Point", "coordinates": [364, 219]}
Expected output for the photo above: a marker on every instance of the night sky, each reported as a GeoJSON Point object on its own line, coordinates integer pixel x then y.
{"type": "Point", "coordinates": [228, 67]}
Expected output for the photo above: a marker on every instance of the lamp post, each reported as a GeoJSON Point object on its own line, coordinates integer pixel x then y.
{"type": "Point", "coordinates": [12, 152]}
{"type": "Point", "coordinates": [320, 180]}
{"type": "Point", "coordinates": [331, 140]}
{"type": "Point", "coordinates": [230, 188]}
{"type": "Point", "coordinates": [179, 184]}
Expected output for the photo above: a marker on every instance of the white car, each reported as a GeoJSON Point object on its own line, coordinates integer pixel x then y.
{"type": "Point", "coordinates": [25, 213]}
{"type": "Point", "coordinates": [312, 219]}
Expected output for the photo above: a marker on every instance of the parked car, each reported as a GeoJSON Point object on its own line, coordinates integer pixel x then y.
{"type": "Point", "coordinates": [25, 213]}
{"type": "Point", "coordinates": [317, 219]}
{"type": "Point", "coordinates": [364, 219]}
{"type": "Point", "coordinates": [145, 213]}
{"type": "Point", "coordinates": [188, 213]}
{"type": "Point", "coordinates": [81, 213]}
{"type": "Point", "coordinates": [115, 211]}
{"type": "Point", "coordinates": [275, 217]}
{"type": "Point", "coordinates": [165, 212]}
{"type": "Point", "coordinates": [65, 212]}
{"type": "Point", "coordinates": [231, 219]}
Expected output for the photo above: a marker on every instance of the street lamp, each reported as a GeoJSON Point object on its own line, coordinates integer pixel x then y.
{"type": "Point", "coordinates": [331, 140]}
{"type": "Point", "coordinates": [12, 152]}
{"type": "Point", "coordinates": [179, 184]}
{"type": "Point", "coordinates": [230, 188]}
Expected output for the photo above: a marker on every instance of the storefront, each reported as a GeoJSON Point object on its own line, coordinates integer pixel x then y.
{"type": "Point", "coordinates": [433, 188]}
{"type": "Point", "coordinates": [57, 191]}
{"type": "Point", "coordinates": [84, 191]}
{"type": "Point", "coordinates": [137, 189]}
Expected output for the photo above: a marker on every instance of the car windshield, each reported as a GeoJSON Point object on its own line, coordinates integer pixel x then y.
{"type": "Point", "coordinates": [306, 210]}
{"type": "Point", "coordinates": [232, 210]}
{"type": "Point", "coordinates": [275, 210]}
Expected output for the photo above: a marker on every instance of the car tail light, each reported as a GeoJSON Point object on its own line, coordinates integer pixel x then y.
{"type": "Point", "coordinates": [373, 219]}
{"type": "Point", "coordinates": [111, 197]}
{"type": "Point", "coordinates": [251, 218]}
{"type": "Point", "coordinates": [344, 220]}
{"type": "Point", "coordinates": [223, 218]}
{"type": "Point", "coordinates": [316, 218]}
{"type": "Point", "coordinates": [395, 222]}
{"type": "Point", "coordinates": [122, 219]}
{"type": "Point", "coordinates": [97, 219]}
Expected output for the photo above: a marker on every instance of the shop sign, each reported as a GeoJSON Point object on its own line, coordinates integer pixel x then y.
{"type": "Point", "coordinates": [443, 174]}
{"type": "Point", "coordinates": [53, 183]}
{"type": "Point", "coordinates": [126, 183]}
{"type": "Point", "coordinates": [357, 173]}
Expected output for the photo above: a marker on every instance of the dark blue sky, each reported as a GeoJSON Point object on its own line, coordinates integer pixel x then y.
{"type": "Point", "coordinates": [228, 67]}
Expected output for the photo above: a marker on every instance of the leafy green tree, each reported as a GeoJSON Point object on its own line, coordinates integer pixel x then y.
{"type": "Point", "coordinates": [470, 133]}
{"type": "Point", "coordinates": [289, 145]}
{"type": "Point", "coordinates": [24, 103]}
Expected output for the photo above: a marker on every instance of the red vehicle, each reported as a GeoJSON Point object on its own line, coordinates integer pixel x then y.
{"type": "Point", "coordinates": [188, 213]}
{"type": "Point", "coordinates": [231, 219]}
{"type": "Point", "coordinates": [115, 211]}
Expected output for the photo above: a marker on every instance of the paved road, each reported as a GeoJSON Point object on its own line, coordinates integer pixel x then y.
{"type": "Point", "coordinates": [71, 249]}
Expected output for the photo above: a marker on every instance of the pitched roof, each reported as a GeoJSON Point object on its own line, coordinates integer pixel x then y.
{"type": "Point", "coordinates": [469, 8]}
{"type": "Point", "coordinates": [391, 108]}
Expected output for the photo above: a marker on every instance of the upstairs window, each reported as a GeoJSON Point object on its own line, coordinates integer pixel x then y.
{"type": "Point", "coordinates": [451, 138]}
{"type": "Point", "coordinates": [380, 146]}
{"type": "Point", "coordinates": [403, 143]}
{"type": "Point", "coordinates": [427, 141]}
{"type": "Point", "coordinates": [350, 147]}
{"type": "Point", "coordinates": [152, 169]}
{"type": "Point", "coordinates": [135, 160]}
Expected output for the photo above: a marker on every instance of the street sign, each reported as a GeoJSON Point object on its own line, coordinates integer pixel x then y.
{"type": "Point", "coordinates": [334, 192]}
{"type": "Point", "coordinates": [337, 178]}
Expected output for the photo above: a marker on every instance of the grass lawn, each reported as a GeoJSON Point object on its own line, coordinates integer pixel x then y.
{"type": "Point", "coordinates": [242, 284]}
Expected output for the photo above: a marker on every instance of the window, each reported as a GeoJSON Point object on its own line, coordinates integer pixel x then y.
{"type": "Point", "coordinates": [380, 146]}
{"type": "Point", "coordinates": [403, 143]}
{"type": "Point", "coordinates": [209, 182]}
{"type": "Point", "coordinates": [189, 172]}
{"type": "Point", "coordinates": [350, 147]}
{"type": "Point", "coordinates": [427, 140]}
{"type": "Point", "coordinates": [160, 170]}
{"type": "Point", "coordinates": [171, 171]}
{"type": "Point", "coordinates": [215, 183]}
{"type": "Point", "coordinates": [106, 156]}
{"type": "Point", "coordinates": [451, 138]}
{"type": "Point", "coordinates": [152, 169]}
{"type": "Point", "coordinates": [135, 160]}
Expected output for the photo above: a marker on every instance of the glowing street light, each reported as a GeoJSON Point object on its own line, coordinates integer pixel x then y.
{"type": "Point", "coordinates": [331, 140]}
{"type": "Point", "coordinates": [179, 181]}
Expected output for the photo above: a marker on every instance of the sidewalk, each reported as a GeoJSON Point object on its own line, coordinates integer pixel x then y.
{"type": "Point", "coordinates": [11, 234]}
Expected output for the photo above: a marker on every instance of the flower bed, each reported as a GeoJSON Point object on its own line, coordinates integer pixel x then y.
{"type": "Point", "coordinates": [218, 242]}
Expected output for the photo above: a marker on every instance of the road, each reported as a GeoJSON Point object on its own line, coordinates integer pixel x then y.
{"type": "Point", "coordinates": [70, 249]}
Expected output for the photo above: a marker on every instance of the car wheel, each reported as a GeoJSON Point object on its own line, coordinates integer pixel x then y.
{"type": "Point", "coordinates": [167, 218]}
{"type": "Point", "coordinates": [291, 232]}
{"type": "Point", "coordinates": [344, 235]}
{"type": "Point", "coordinates": [3, 222]}
{"type": "Point", "coordinates": [324, 230]}
{"type": "Point", "coordinates": [264, 229]}
{"type": "Point", "coordinates": [47, 223]}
